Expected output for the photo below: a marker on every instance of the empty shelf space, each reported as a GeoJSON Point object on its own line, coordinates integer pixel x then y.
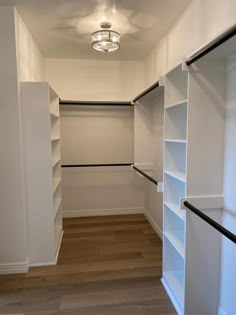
{"type": "Point", "coordinates": [180, 213]}
{"type": "Point", "coordinates": [176, 85]}
{"type": "Point", "coordinates": [175, 159]}
{"type": "Point", "coordinates": [177, 175]}
{"type": "Point", "coordinates": [182, 102]}
{"type": "Point", "coordinates": [177, 243]}
{"type": "Point", "coordinates": [173, 190]}
{"type": "Point", "coordinates": [173, 271]}
{"type": "Point", "coordinates": [174, 283]}
{"type": "Point", "coordinates": [56, 183]}
{"type": "Point", "coordinates": [57, 236]}
{"type": "Point", "coordinates": [56, 206]}
{"type": "Point", "coordinates": [54, 115]}
{"type": "Point", "coordinates": [176, 122]}
{"type": "Point", "coordinates": [56, 161]}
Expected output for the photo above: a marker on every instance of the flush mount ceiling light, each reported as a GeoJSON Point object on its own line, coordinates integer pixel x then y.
{"type": "Point", "coordinates": [106, 40]}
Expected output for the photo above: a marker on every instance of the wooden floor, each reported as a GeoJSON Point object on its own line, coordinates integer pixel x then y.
{"type": "Point", "coordinates": [107, 266]}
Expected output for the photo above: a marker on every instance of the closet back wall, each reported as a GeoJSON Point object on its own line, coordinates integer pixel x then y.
{"type": "Point", "coordinates": [99, 135]}
{"type": "Point", "coordinates": [97, 190]}
{"type": "Point", "coordinates": [95, 80]}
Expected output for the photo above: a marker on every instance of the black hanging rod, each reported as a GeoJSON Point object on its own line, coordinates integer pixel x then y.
{"type": "Point", "coordinates": [95, 103]}
{"type": "Point", "coordinates": [148, 90]}
{"type": "Point", "coordinates": [213, 223]}
{"type": "Point", "coordinates": [219, 41]}
{"type": "Point", "coordinates": [96, 165]}
{"type": "Point", "coordinates": [145, 175]}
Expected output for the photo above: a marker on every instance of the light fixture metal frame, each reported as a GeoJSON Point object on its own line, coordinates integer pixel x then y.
{"type": "Point", "coordinates": [107, 30]}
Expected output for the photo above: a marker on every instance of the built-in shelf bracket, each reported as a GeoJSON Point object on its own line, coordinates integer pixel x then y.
{"type": "Point", "coordinates": [204, 202]}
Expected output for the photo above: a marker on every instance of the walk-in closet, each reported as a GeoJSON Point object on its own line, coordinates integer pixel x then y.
{"type": "Point", "coordinates": [118, 133]}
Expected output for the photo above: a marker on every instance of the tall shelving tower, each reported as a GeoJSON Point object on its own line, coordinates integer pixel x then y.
{"type": "Point", "coordinates": [42, 166]}
{"type": "Point", "coordinates": [193, 170]}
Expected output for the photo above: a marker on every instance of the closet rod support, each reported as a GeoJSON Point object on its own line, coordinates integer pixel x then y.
{"type": "Point", "coordinates": [145, 175]}
{"type": "Point", "coordinates": [145, 92]}
{"type": "Point", "coordinates": [213, 45]}
{"type": "Point", "coordinates": [211, 222]}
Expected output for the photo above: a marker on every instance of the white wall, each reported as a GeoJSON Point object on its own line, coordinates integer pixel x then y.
{"type": "Point", "coordinates": [228, 275]}
{"type": "Point", "coordinates": [148, 144]}
{"type": "Point", "coordinates": [96, 135]}
{"type": "Point", "coordinates": [116, 190]}
{"type": "Point", "coordinates": [95, 80]}
{"type": "Point", "coordinates": [30, 61]}
{"type": "Point", "coordinates": [201, 21]}
{"type": "Point", "coordinates": [13, 244]}
{"type": "Point", "coordinates": [20, 60]}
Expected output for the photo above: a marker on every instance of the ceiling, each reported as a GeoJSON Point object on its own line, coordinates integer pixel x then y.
{"type": "Point", "coordinates": [62, 28]}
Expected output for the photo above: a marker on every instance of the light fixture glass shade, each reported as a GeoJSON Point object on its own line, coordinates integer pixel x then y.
{"type": "Point", "coordinates": [106, 40]}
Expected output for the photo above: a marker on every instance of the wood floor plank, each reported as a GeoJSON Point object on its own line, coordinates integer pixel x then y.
{"type": "Point", "coordinates": [107, 266]}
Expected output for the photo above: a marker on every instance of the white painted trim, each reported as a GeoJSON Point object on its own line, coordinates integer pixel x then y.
{"type": "Point", "coordinates": [44, 264]}
{"type": "Point", "coordinates": [101, 212]}
{"type": "Point", "coordinates": [52, 263]}
{"type": "Point", "coordinates": [204, 202]}
{"type": "Point", "coordinates": [58, 247]}
{"type": "Point", "coordinates": [171, 296]}
{"type": "Point", "coordinates": [11, 268]}
{"type": "Point", "coordinates": [153, 224]}
{"type": "Point", "coordinates": [221, 311]}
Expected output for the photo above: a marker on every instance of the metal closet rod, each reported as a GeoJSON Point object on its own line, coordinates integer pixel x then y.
{"type": "Point", "coordinates": [94, 103]}
{"type": "Point", "coordinates": [145, 175]}
{"type": "Point", "coordinates": [96, 165]}
{"type": "Point", "coordinates": [210, 221]}
{"type": "Point", "coordinates": [146, 91]}
{"type": "Point", "coordinates": [219, 41]}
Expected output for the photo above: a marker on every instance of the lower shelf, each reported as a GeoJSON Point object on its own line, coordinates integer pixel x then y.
{"type": "Point", "coordinates": [57, 237]}
{"type": "Point", "coordinates": [173, 281]}
{"type": "Point", "coordinates": [176, 240]}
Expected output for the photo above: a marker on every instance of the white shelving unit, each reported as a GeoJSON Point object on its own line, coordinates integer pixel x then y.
{"type": "Point", "coordinates": [191, 119]}
{"type": "Point", "coordinates": [42, 162]}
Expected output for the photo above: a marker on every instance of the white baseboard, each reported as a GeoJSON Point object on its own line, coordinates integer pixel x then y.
{"type": "Point", "coordinates": [101, 212]}
{"type": "Point", "coordinates": [54, 262]}
{"type": "Point", "coordinates": [11, 268]}
{"type": "Point", "coordinates": [221, 311]}
{"type": "Point", "coordinates": [172, 296]}
{"type": "Point", "coordinates": [153, 224]}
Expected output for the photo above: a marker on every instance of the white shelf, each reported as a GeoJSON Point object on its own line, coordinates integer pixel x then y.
{"type": "Point", "coordinates": [176, 140]}
{"type": "Point", "coordinates": [56, 183]}
{"type": "Point", "coordinates": [56, 161]}
{"type": "Point", "coordinates": [54, 115]}
{"type": "Point", "coordinates": [180, 213]}
{"type": "Point", "coordinates": [56, 206]}
{"type": "Point", "coordinates": [57, 236]}
{"type": "Point", "coordinates": [176, 84]}
{"type": "Point", "coordinates": [177, 243]}
{"type": "Point", "coordinates": [176, 104]}
{"type": "Point", "coordinates": [174, 281]}
{"type": "Point", "coordinates": [173, 190]}
{"type": "Point", "coordinates": [55, 139]}
{"type": "Point", "coordinates": [177, 175]}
